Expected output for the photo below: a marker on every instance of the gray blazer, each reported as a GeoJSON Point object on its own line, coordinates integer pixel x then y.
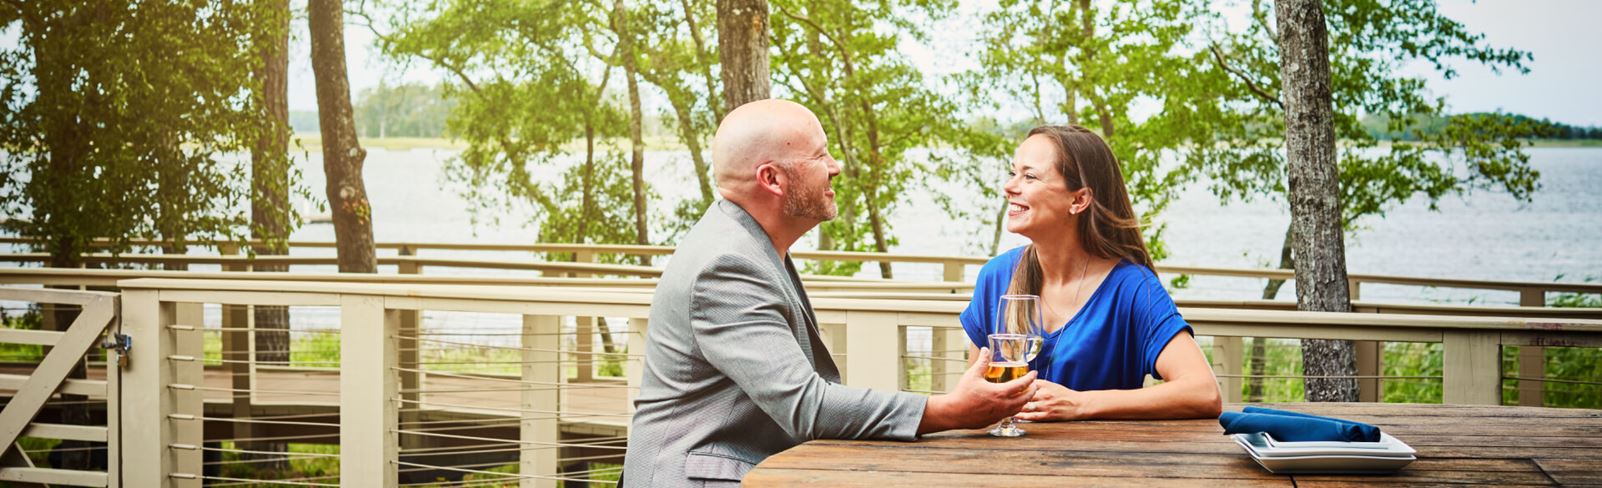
{"type": "Point", "coordinates": [734, 368]}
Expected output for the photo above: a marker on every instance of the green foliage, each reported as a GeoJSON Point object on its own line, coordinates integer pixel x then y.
{"type": "Point", "coordinates": [407, 110]}
{"type": "Point", "coordinates": [529, 78]}
{"type": "Point", "coordinates": [115, 118]}
{"type": "Point", "coordinates": [1369, 41]}
{"type": "Point", "coordinates": [1089, 64]}
{"type": "Point", "coordinates": [29, 319]}
{"type": "Point", "coordinates": [840, 59]}
{"type": "Point", "coordinates": [1412, 359]}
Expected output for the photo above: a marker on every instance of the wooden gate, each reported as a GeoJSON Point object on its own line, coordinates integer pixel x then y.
{"type": "Point", "coordinates": [99, 311]}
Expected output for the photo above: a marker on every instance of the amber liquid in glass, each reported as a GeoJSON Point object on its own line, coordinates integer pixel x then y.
{"type": "Point", "coordinates": [1004, 372]}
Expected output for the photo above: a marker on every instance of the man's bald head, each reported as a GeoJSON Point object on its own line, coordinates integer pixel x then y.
{"type": "Point", "coordinates": [761, 132]}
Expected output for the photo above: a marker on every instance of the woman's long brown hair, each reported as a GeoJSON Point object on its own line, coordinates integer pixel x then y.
{"type": "Point", "coordinates": [1109, 228]}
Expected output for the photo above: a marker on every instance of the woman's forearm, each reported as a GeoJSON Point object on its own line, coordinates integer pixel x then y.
{"type": "Point", "coordinates": [1181, 399]}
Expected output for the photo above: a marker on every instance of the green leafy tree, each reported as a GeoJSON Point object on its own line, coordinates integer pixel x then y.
{"type": "Point", "coordinates": [405, 110]}
{"type": "Point", "coordinates": [115, 123]}
{"type": "Point", "coordinates": [1089, 64]}
{"type": "Point", "coordinates": [1370, 40]}
{"type": "Point", "coordinates": [522, 80]}
{"type": "Point", "coordinates": [840, 59]}
{"type": "Point", "coordinates": [97, 146]}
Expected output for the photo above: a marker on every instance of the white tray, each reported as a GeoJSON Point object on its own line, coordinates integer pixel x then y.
{"type": "Point", "coordinates": [1326, 463]}
{"type": "Point", "coordinates": [1264, 445]}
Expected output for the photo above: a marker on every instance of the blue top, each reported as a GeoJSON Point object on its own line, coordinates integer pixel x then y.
{"type": "Point", "coordinates": [1112, 343]}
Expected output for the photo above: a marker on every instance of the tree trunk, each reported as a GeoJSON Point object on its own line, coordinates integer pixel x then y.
{"type": "Point", "coordinates": [342, 154]}
{"type": "Point", "coordinates": [687, 132]}
{"type": "Point", "coordinates": [642, 231]}
{"type": "Point", "coordinates": [63, 138]}
{"type": "Point", "coordinates": [1317, 241]}
{"type": "Point", "coordinates": [269, 210]}
{"type": "Point", "coordinates": [705, 64]}
{"type": "Point", "coordinates": [743, 51]}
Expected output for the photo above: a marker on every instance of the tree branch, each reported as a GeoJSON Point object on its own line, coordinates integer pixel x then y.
{"type": "Point", "coordinates": [1218, 57]}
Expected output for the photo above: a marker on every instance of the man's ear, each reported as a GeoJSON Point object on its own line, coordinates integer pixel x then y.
{"type": "Point", "coordinates": [769, 178]}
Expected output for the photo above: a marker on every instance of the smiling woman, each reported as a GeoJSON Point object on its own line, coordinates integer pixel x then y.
{"type": "Point", "coordinates": [1066, 195]}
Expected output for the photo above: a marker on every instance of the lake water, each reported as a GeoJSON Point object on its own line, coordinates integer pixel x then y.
{"type": "Point", "coordinates": [1482, 235]}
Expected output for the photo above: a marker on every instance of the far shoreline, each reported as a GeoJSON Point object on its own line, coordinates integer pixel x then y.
{"type": "Point", "coordinates": [312, 142]}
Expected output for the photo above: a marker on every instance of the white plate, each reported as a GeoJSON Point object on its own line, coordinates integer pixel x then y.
{"type": "Point", "coordinates": [1343, 464]}
{"type": "Point", "coordinates": [1265, 446]}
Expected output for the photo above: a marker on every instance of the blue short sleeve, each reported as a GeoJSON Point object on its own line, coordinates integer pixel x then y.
{"type": "Point", "coordinates": [1156, 321]}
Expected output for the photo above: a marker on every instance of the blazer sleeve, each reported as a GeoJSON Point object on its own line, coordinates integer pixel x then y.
{"type": "Point", "coordinates": [737, 315]}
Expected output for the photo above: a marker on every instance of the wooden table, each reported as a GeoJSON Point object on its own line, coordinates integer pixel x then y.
{"type": "Point", "coordinates": [1456, 444]}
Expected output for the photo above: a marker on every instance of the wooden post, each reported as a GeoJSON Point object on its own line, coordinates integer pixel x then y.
{"type": "Point", "coordinates": [954, 271]}
{"type": "Point", "coordinates": [634, 367]}
{"type": "Point", "coordinates": [875, 362]}
{"type": "Point", "coordinates": [1471, 368]}
{"type": "Point", "coordinates": [1227, 359]}
{"type": "Point", "coordinates": [1355, 288]}
{"type": "Point", "coordinates": [408, 355]}
{"type": "Point", "coordinates": [542, 375]}
{"type": "Point", "coordinates": [236, 354]}
{"type": "Point", "coordinates": [189, 415]}
{"type": "Point", "coordinates": [584, 327]}
{"type": "Point", "coordinates": [146, 430]}
{"type": "Point", "coordinates": [902, 378]}
{"type": "Point", "coordinates": [584, 354]}
{"type": "Point", "coordinates": [834, 335]}
{"type": "Point", "coordinates": [1370, 356]}
{"type": "Point", "coordinates": [938, 343]}
{"type": "Point", "coordinates": [367, 391]}
{"type": "Point", "coordinates": [1532, 359]}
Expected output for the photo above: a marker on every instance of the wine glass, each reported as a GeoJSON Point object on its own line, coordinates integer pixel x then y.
{"type": "Point", "coordinates": [1021, 314]}
{"type": "Point", "coordinates": [1007, 353]}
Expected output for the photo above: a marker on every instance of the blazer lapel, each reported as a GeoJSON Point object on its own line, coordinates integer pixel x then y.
{"type": "Point", "coordinates": [807, 335]}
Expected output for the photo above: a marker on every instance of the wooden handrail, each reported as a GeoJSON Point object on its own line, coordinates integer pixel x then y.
{"type": "Point", "coordinates": [1532, 292]}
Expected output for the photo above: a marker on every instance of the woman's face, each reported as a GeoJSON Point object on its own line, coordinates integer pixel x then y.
{"type": "Point", "coordinates": [1037, 194]}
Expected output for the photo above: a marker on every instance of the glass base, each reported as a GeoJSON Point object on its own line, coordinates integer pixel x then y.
{"type": "Point", "coordinates": [1007, 429]}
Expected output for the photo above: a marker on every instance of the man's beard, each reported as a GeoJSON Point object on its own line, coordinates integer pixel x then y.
{"type": "Point", "coordinates": [806, 200]}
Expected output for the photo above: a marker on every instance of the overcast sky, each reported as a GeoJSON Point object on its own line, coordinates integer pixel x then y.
{"type": "Point", "coordinates": [1564, 83]}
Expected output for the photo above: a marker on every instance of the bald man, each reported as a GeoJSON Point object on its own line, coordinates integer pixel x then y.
{"type": "Point", "coordinates": [734, 368]}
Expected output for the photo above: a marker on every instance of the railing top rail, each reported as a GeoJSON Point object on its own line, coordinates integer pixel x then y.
{"type": "Point", "coordinates": [631, 249]}
{"type": "Point", "coordinates": [603, 296]}
{"type": "Point", "coordinates": [398, 290]}
{"type": "Point", "coordinates": [68, 297]}
{"type": "Point", "coordinates": [1285, 274]}
{"type": "Point", "coordinates": [110, 277]}
{"type": "Point", "coordinates": [652, 250]}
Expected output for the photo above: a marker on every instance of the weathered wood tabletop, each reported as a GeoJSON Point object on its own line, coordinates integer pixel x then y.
{"type": "Point", "coordinates": [1456, 444]}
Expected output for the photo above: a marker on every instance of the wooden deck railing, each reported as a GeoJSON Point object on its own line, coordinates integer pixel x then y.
{"type": "Point", "coordinates": [382, 402]}
{"type": "Point", "coordinates": [953, 268]}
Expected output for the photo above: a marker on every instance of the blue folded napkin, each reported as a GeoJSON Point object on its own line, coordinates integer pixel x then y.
{"type": "Point", "coordinates": [1296, 427]}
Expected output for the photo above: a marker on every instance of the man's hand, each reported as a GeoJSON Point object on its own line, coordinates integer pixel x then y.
{"type": "Point", "coordinates": [976, 403]}
{"type": "Point", "coordinates": [1054, 402]}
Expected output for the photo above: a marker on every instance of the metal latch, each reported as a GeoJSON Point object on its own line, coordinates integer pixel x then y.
{"type": "Point", "coordinates": [120, 344]}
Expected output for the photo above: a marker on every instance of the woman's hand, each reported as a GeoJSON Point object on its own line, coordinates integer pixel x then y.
{"type": "Point", "coordinates": [1055, 402]}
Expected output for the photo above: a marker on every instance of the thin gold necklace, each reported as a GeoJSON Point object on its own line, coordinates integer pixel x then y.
{"type": "Point", "coordinates": [1084, 272]}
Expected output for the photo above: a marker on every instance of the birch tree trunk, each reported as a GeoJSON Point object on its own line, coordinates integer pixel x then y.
{"type": "Point", "coordinates": [1317, 240]}
{"type": "Point", "coordinates": [743, 51]}
{"type": "Point", "coordinates": [342, 154]}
